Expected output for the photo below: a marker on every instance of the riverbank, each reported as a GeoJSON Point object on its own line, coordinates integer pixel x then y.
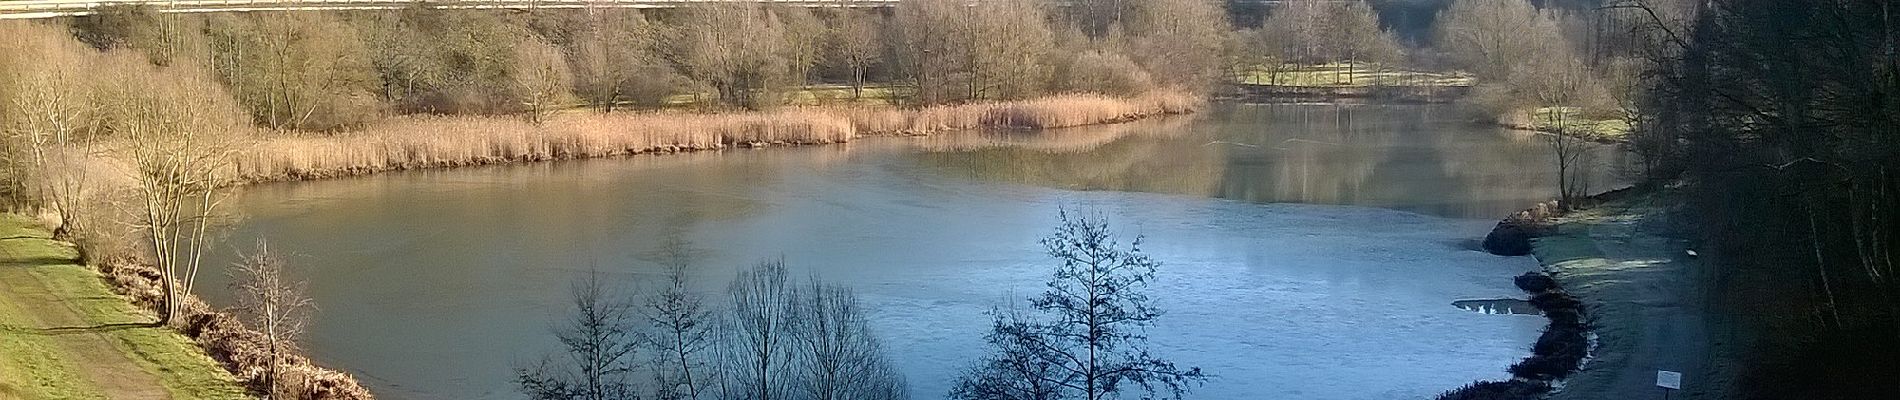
{"type": "Point", "coordinates": [439, 142]}
{"type": "Point", "coordinates": [64, 334]}
{"type": "Point", "coordinates": [1646, 295]}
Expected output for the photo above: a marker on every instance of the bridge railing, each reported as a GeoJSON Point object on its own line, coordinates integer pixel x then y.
{"type": "Point", "coordinates": [27, 9]}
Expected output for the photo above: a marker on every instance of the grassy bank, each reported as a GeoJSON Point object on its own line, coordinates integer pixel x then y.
{"type": "Point", "coordinates": [1577, 123]}
{"type": "Point", "coordinates": [1646, 296]}
{"type": "Point", "coordinates": [434, 142]}
{"type": "Point", "coordinates": [65, 335]}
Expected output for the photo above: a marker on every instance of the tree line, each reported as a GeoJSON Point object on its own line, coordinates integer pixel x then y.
{"type": "Point", "coordinates": [336, 70]}
{"type": "Point", "coordinates": [1775, 122]}
{"type": "Point", "coordinates": [774, 337]}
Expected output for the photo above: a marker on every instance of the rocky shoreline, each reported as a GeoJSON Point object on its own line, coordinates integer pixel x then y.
{"type": "Point", "coordinates": [1567, 342]}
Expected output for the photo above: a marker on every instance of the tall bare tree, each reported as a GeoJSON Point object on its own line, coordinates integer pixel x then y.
{"type": "Point", "coordinates": [1178, 41]}
{"type": "Point", "coordinates": [608, 53]}
{"type": "Point", "coordinates": [48, 122]}
{"type": "Point", "coordinates": [600, 350]}
{"type": "Point", "coordinates": [542, 80]}
{"type": "Point", "coordinates": [1092, 342]}
{"type": "Point", "coordinates": [1487, 37]}
{"type": "Point", "coordinates": [741, 50]}
{"type": "Point", "coordinates": [180, 137]}
{"type": "Point", "coordinates": [275, 303]}
{"type": "Point", "coordinates": [680, 330]}
{"type": "Point", "coordinates": [763, 307]}
{"type": "Point", "coordinates": [855, 40]}
{"type": "Point", "coordinates": [839, 357]}
{"type": "Point", "coordinates": [296, 71]}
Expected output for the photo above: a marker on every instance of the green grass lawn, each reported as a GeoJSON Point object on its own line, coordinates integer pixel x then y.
{"type": "Point", "coordinates": [1345, 75]}
{"type": "Point", "coordinates": [1577, 122]}
{"type": "Point", "coordinates": [38, 361]}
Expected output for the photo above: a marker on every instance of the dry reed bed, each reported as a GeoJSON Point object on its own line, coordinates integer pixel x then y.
{"type": "Point", "coordinates": [441, 141]}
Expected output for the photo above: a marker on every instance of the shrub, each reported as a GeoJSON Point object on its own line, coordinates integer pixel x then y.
{"type": "Point", "coordinates": [1495, 390]}
{"type": "Point", "coordinates": [1543, 368]}
{"type": "Point", "coordinates": [1568, 317]}
{"type": "Point", "coordinates": [1511, 237]}
{"type": "Point", "coordinates": [1535, 282]}
{"type": "Point", "coordinates": [1564, 341]}
{"type": "Point", "coordinates": [1551, 301]}
{"type": "Point", "coordinates": [1100, 72]}
{"type": "Point", "coordinates": [1558, 352]}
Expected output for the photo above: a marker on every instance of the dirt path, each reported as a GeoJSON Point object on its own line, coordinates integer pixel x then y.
{"type": "Point", "coordinates": [84, 343]}
{"type": "Point", "coordinates": [65, 335]}
{"type": "Point", "coordinates": [1646, 296]}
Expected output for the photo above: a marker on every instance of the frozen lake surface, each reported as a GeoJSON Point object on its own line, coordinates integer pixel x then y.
{"type": "Point", "coordinates": [1310, 252]}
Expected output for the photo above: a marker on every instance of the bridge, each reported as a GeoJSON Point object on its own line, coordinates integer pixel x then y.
{"type": "Point", "coordinates": [32, 9]}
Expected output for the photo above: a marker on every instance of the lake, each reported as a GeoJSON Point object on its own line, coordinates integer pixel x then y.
{"type": "Point", "coordinates": [1310, 251]}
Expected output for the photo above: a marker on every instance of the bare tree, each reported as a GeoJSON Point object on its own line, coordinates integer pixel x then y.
{"type": "Point", "coordinates": [1177, 41]}
{"type": "Point", "coordinates": [1097, 18]}
{"type": "Point", "coordinates": [1020, 367]}
{"type": "Point", "coordinates": [1004, 46]}
{"type": "Point", "coordinates": [48, 118]}
{"type": "Point", "coordinates": [1558, 82]}
{"type": "Point", "coordinates": [1319, 31]}
{"type": "Point", "coordinates": [302, 72]}
{"type": "Point", "coordinates": [276, 304]}
{"type": "Point", "coordinates": [612, 54]}
{"type": "Point", "coordinates": [855, 41]}
{"type": "Point", "coordinates": [680, 329]}
{"type": "Point", "coordinates": [1093, 342]}
{"type": "Point", "coordinates": [967, 51]}
{"type": "Point", "coordinates": [1489, 36]}
{"type": "Point", "coordinates": [839, 356]}
{"type": "Point", "coordinates": [542, 80]}
{"type": "Point", "coordinates": [763, 303]}
{"type": "Point", "coordinates": [740, 49]}
{"type": "Point", "coordinates": [925, 47]}
{"type": "Point", "coordinates": [600, 350]}
{"type": "Point", "coordinates": [179, 142]}
{"type": "Point", "coordinates": [1295, 31]}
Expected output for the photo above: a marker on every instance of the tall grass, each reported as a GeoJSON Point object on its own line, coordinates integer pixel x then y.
{"type": "Point", "coordinates": [446, 141]}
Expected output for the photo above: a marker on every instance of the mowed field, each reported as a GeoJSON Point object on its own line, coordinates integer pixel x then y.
{"type": "Point", "coordinates": [65, 335]}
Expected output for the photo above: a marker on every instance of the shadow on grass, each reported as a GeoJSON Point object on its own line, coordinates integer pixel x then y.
{"type": "Point", "coordinates": [37, 261]}
{"type": "Point", "coordinates": [100, 328]}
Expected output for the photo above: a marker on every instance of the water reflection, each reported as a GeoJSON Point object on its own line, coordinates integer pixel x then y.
{"type": "Point", "coordinates": [1427, 159]}
{"type": "Point", "coordinates": [433, 283]}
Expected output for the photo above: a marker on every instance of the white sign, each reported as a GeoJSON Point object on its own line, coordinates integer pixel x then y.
{"type": "Point", "coordinates": [1669, 379]}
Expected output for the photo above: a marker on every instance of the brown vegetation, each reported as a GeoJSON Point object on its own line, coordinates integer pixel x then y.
{"type": "Point", "coordinates": [431, 142]}
{"type": "Point", "coordinates": [243, 351]}
{"type": "Point", "coordinates": [122, 124]}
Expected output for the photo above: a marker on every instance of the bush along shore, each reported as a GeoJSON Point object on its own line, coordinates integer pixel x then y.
{"type": "Point", "coordinates": [1562, 349]}
{"type": "Point", "coordinates": [1566, 343]}
{"type": "Point", "coordinates": [240, 349]}
{"type": "Point", "coordinates": [449, 141]}
{"type": "Point", "coordinates": [1512, 235]}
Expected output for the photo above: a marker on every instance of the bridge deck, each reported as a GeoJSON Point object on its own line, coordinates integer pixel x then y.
{"type": "Point", "coordinates": [30, 9]}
